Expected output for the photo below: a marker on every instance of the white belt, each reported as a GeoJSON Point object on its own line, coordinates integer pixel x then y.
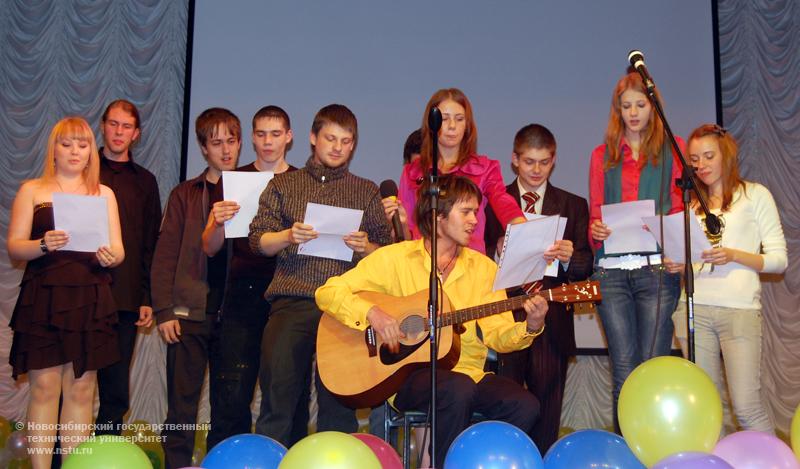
{"type": "Point", "coordinates": [629, 261]}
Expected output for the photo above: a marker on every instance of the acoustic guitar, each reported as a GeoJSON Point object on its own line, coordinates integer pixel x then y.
{"type": "Point", "coordinates": [361, 371]}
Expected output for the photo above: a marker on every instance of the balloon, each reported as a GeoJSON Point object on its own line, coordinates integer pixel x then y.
{"type": "Point", "coordinates": [564, 431]}
{"type": "Point", "coordinates": [141, 434]}
{"type": "Point", "coordinates": [386, 455]}
{"type": "Point", "coordinates": [107, 452]}
{"type": "Point", "coordinates": [330, 450]}
{"type": "Point", "coordinates": [692, 460]}
{"type": "Point", "coordinates": [198, 455]}
{"type": "Point", "coordinates": [245, 451]}
{"type": "Point", "coordinates": [493, 445]}
{"type": "Point", "coordinates": [669, 405]}
{"type": "Point", "coordinates": [20, 464]}
{"type": "Point", "coordinates": [5, 430]}
{"type": "Point", "coordinates": [17, 444]}
{"type": "Point", "coordinates": [755, 450]}
{"type": "Point", "coordinates": [795, 432]}
{"type": "Point", "coordinates": [591, 448]}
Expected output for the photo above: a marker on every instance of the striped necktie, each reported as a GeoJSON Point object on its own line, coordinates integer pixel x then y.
{"type": "Point", "coordinates": [530, 199]}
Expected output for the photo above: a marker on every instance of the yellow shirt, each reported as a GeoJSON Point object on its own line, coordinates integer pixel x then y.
{"type": "Point", "coordinates": [403, 269]}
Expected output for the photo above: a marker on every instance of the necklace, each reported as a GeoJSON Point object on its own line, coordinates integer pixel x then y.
{"type": "Point", "coordinates": [74, 191]}
{"type": "Point", "coordinates": [450, 262]}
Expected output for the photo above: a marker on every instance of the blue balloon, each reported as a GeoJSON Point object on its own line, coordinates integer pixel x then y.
{"type": "Point", "coordinates": [247, 450]}
{"type": "Point", "coordinates": [493, 445]}
{"type": "Point", "coordinates": [590, 449]}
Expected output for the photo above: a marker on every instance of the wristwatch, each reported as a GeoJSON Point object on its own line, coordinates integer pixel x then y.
{"type": "Point", "coordinates": [536, 332]}
{"type": "Point", "coordinates": [43, 246]}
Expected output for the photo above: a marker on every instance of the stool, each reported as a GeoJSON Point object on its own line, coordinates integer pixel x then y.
{"type": "Point", "coordinates": [396, 419]}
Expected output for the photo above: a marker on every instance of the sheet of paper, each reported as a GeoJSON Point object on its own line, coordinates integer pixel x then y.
{"type": "Point", "coordinates": [674, 247]}
{"type": "Point", "coordinates": [332, 223]}
{"type": "Point", "coordinates": [84, 218]}
{"type": "Point", "coordinates": [552, 269]}
{"type": "Point", "coordinates": [245, 189]}
{"type": "Point", "coordinates": [522, 259]}
{"type": "Point", "coordinates": [627, 230]}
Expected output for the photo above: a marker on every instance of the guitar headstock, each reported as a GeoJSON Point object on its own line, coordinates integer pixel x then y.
{"type": "Point", "coordinates": [574, 292]}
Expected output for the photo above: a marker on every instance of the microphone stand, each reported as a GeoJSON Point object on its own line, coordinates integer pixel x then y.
{"type": "Point", "coordinates": [434, 124]}
{"type": "Point", "coordinates": [686, 182]}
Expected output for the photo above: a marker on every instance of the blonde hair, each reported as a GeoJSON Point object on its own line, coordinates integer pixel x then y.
{"type": "Point", "coordinates": [77, 128]}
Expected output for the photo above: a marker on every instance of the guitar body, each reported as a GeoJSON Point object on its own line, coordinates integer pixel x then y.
{"type": "Point", "coordinates": [357, 368]}
{"type": "Point", "coordinates": [363, 377]}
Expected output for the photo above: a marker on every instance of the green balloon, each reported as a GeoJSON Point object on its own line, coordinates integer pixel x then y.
{"type": "Point", "coordinates": [107, 452]}
{"type": "Point", "coordinates": [5, 430]}
{"type": "Point", "coordinates": [330, 450]}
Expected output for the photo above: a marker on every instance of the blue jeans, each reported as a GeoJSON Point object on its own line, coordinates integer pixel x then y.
{"type": "Point", "coordinates": [630, 318]}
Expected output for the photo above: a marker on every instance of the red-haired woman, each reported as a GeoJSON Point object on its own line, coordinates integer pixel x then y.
{"type": "Point", "coordinates": [458, 146]}
{"type": "Point", "coordinates": [727, 297]}
{"type": "Point", "coordinates": [636, 162]}
{"type": "Point", "coordinates": [64, 318]}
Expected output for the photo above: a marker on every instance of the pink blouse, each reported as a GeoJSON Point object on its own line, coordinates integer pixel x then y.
{"type": "Point", "coordinates": [481, 170]}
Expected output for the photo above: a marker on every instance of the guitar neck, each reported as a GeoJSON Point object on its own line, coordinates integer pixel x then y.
{"type": "Point", "coordinates": [572, 293]}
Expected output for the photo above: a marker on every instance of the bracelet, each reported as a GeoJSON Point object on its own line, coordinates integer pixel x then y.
{"type": "Point", "coordinates": [536, 332]}
{"type": "Point", "coordinates": [43, 246]}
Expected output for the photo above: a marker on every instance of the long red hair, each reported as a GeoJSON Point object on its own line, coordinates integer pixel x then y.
{"type": "Point", "coordinates": [729, 152]}
{"type": "Point", "coordinates": [73, 127]}
{"type": "Point", "coordinates": [469, 144]}
{"type": "Point", "coordinates": [652, 136]}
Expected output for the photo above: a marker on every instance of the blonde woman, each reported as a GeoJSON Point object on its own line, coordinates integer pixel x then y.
{"type": "Point", "coordinates": [64, 318]}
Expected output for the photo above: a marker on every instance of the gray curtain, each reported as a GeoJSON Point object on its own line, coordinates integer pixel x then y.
{"type": "Point", "coordinates": [760, 81]}
{"type": "Point", "coordinates": [73, 57]}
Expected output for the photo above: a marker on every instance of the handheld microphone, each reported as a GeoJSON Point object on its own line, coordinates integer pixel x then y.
{"type": "Point", "coordinates": [636, 58]}
{"type": "Point", "coordinates": [435, 120]}
{"type": "Point", "coordinates": [388, 188]}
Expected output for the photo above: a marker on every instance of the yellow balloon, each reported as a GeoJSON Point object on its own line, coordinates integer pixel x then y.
{"type": "Point", "coordinates": [795, 432]}
{"type": "Point", "coordinates": [330, 450]}
{"type": "Point", "coordinates": [669, 405]}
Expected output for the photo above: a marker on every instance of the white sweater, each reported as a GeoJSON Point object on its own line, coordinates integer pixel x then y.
{"type": "Point", "coordinates": [752, 224]}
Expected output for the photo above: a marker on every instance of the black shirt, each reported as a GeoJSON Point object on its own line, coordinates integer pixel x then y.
{"type": "Point", "coordinates": [217, 264]}
{"type": "Point", "coordinates": [245, 263]}
{"type": "Point", "coordinates": [136, 191]}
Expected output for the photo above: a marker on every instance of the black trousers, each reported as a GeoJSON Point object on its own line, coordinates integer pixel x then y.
{"type": "Point", "coordinates": [496, 397]}
{"type": "Point", "coordinates": [113, 380]}
{"type": "Point", "coordinates": [233, 382]}
{"type": "Point", "coordinates": [544, 371]}
{"type": "Point", "coordinates": [287, 351]}
{"type": "Point", "coordinates": [198, 347]}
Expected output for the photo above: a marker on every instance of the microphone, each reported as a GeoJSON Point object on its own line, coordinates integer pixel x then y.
{"type": "Point", "coordinates": [435, 120]}
{"type": "Point", "coordinates": [636, 58]}
{"type": "Point", "coordinates": [388, 188]}
{"type": "Point", "coordinates": [713, 224]}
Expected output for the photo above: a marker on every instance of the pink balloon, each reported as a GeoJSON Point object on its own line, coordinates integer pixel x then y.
{"type": "Point", "coordinates": [756, 450]}
{"type": "Point", "coordinates": [692, 460]}
{"type": "Point", "coordinates": [386, 454]}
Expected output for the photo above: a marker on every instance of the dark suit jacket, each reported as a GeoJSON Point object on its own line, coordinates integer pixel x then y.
{"type": "Point", "coordinates": [559, 322]}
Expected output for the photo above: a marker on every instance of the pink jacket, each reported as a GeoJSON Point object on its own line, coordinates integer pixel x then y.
{"type": "Point", "coordinates": [485, 173]}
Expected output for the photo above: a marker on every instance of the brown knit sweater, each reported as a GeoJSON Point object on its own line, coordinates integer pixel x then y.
{"type": "Point", "coordinates": [283, 203]}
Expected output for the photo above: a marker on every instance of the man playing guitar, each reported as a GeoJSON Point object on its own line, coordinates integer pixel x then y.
{"type": "Point", "coordinates": [466, 277]}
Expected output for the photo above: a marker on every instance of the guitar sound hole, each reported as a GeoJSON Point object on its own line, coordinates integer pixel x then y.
{"type": "Point", "coordinates": [414, 329]}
